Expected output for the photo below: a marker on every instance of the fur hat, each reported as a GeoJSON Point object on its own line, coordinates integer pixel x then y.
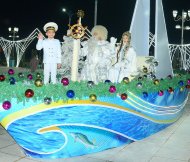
{"type": "Point", "coordinates": [101, 32]}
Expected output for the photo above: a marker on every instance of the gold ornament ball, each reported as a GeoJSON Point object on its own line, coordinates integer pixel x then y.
{"type": "Point", "coordinates": [126, 80]}
{"type": "Point", "coordinates": [145, 70]}
{"type": "Point", "coordinates": [80, 13]}
{"type": "Point", "coordinates": [156, 81]}
{"type": "Point", "coordinates": [38, 83]}
{"type": "Point", "coordinates": [181, 89]}
{"type": "Point", "coordinates": [93, 97]}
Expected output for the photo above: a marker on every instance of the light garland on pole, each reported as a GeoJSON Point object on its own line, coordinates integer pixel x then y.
{"type": "Point", "coordinates": [13, 31]}
{"type": "Point", "coordinates": [183, 18]}
{"type": "Point", "coordinates": [20, 46]}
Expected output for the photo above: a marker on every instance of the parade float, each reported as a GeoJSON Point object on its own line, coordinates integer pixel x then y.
{"type": "Point", "coordinates": [76, 118]}
{"type": "Point", "coordinates": [73, 118]}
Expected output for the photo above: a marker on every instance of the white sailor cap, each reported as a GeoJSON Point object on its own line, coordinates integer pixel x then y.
{"type": "Point", "coordinates": [50, 26]}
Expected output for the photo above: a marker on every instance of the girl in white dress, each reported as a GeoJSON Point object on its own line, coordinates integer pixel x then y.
{"type": "Point", "coordinates": [125, 61]}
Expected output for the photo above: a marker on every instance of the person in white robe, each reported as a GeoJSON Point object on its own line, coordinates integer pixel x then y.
{"type": "Point", "coordinates": [125, 60]}
{"type": "Point", "coordinates": [66, 56]}
{"type": "Point", "coordinates": [99, 53]}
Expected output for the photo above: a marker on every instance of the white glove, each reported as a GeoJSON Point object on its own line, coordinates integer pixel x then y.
{"type": "Point", "coordinates": [113, 40]}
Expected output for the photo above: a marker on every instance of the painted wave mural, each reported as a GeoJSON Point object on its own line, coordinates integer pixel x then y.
{"type": "Point", "coordinates": [78, 127]}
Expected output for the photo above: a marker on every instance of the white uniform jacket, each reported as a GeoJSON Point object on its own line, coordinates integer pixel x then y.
{"type": "Point", "coordinates": [51, 50]}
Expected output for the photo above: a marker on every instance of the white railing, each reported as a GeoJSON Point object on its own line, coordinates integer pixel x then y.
{"type": "Point", "coordinates": [180, 54]}
{"type": "Point", "coordinates": [20, 46]}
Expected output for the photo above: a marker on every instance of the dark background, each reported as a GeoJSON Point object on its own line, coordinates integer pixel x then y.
{"type": "Point", "coordinates": [115, 15]}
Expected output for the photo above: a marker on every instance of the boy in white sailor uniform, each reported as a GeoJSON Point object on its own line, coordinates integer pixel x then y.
{"type": "Point", "coordinates": [51, 52]}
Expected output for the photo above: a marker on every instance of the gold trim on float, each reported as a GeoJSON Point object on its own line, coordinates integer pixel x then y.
{"type": "Point", "coordinates": [43, 107]}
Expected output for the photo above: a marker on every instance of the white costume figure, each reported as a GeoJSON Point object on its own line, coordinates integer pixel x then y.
{"type": "Point", "coordinates": [125, 64]}
{"type": "Point", "coordinates": [99, 53]}
{"type": "Point", "coordinates": [66, 58]}
{"type": "Point", "coordinates": [51, 52]}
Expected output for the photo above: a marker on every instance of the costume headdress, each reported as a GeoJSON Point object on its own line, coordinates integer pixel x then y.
{"type": "Point", "coordinates": [50, 26]}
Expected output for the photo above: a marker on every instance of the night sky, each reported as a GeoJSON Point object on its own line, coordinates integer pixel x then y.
{"type": "Point", "coordinates": [116, 15]}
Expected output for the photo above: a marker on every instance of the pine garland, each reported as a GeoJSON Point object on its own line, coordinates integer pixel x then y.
{"type": "Point", "coordinates": [81, 89]}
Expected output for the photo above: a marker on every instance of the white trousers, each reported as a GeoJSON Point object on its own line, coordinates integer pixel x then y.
{"type": "Point", "coordinates": [50, 70]}
{"type": "Point", "coordinates": [113, 74]}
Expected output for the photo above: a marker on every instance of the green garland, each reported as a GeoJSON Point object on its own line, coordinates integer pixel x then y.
{"type": "Point", "coordinates": [81, 89]}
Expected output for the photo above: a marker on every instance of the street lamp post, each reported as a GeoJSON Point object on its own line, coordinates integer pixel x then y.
{"type": "Point", "coordinates": [185, 16]}
{"type": "Point", "coordinates": [69, 13]}
{"type": "Point", "coordinates": [95, 12]}
{"type": "Point", "coordinates": [13, 34]}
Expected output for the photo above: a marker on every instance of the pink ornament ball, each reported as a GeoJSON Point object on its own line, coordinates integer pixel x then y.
{"type": "Point", "coordinates": [160, 93]}
{"type": "Point", "coordinates": [6, 105]}
{"type": "Point", "coordinates": [29, 76]}
{"type": "Point", "coordinates": [112, 89]}
{"type": "Point", "coordinates": [11, 71]}
{"type": "Point", "coordinates": [188, 82]}
{"type": "Point", "coordinates": [65, 81]}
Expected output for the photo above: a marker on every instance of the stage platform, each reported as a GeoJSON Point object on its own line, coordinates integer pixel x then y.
{"type": "Point", "coordinates": [168, 145]}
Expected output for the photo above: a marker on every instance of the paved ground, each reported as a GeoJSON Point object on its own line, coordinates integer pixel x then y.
{"type": "Point", "coordinates": [169, 145]}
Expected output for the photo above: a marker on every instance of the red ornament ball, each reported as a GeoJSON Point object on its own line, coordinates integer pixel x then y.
{"type": "Point", "coordinates": [11, 71]}
{"type": "Point", "coordinates": [6, 105]}
{"type": "Point", "coordinates": [187, 86]}
{"type": "Point", "coordinates": [29, 93]}
{"type": "Point", "coordinates": [123, 96]}
{"type": "Point", "coordinates": [170, 90]}
{"type": "Point", "coordinates": [65, 81]}
{"type": "Point", "coordinates": [2, 78]}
